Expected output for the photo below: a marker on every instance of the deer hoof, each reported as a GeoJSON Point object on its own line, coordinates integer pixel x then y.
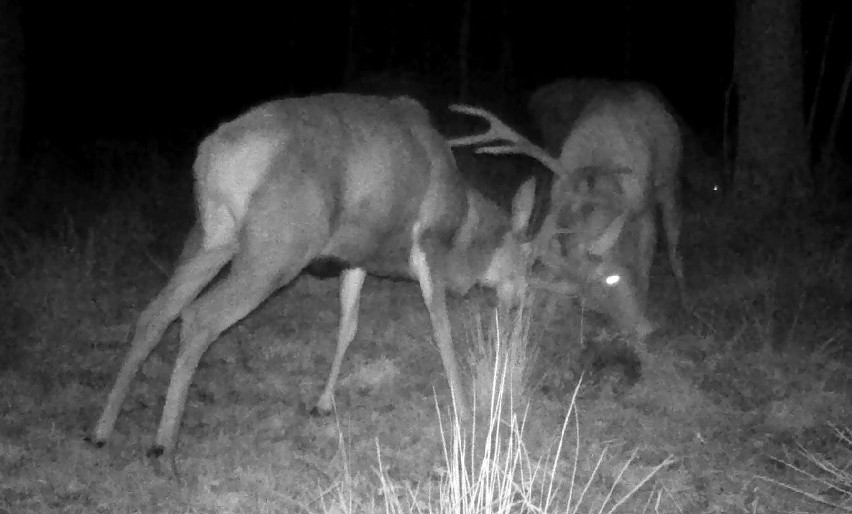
{"type": "Point", "coordinates": [155, 452]}
{"type": "Point", "coordinates": [598, 359]}
{"type": "Point", "coordinates": [317, 412]}
{"type": "Point", "coordinates": [94, 442]}
{"type": "Point", "coordinates": [323, 407]}
{"type": "Point", "coordinates": [163, 463]}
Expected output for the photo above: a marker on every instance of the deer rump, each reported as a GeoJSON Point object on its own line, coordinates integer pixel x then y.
{"type": "Point", "coordinates": [618, 142]}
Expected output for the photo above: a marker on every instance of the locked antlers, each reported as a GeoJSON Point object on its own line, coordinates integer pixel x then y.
{"type": "Point", "coordinates": [499, 131]}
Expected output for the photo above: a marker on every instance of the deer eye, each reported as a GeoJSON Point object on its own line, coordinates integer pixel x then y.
{"type": "Point", "coordinates": [607, 274]}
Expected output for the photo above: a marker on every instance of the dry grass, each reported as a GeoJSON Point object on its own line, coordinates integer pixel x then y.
{"type": "Point", "coordinates": [761, 364]}
{"type": "Point", "coordinates": [819, 477]}
{"type": "Point", "coordinates": [491, 468]}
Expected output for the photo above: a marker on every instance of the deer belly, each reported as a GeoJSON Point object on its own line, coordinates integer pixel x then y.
{"type": "Point", "coordinates": [379, 254]}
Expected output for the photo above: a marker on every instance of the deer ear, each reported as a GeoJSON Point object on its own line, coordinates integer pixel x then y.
{"type": "Point", "coordinates": [522, 206]}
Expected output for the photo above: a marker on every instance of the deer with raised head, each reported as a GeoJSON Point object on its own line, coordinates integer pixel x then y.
{"type": "Point", "coordinates": [366, 181]}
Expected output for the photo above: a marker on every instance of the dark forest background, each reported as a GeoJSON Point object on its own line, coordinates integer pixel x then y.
{"type": "Point", "coordinates": [125, 68]}
{"type": "Point", "coordinates": [74, 74]}
{"type": "Point", "coordinates": [103, 105]}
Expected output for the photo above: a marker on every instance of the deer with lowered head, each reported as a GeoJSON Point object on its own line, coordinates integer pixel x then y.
{"type": "Point", "coordinates": [364, 180]}
{"type": "Point", "coordinates": [579, 241]}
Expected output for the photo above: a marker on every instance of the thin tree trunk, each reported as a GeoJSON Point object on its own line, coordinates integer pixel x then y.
{"type": "Point", "coordinates": [12, 94]}
{"type": "Point", "coordinates": [628, 12]}
{"type": "Point", "coordinates": [826, 47]}
{"type": "Point", "coordinates": [772, 149]}
{"type": "Point", "coordinates": [507, 52]}
{"type": "Point", "coordinates": [351, 54]}
{"type": "Point", "coordinates": [828, 146]}
{"type": "Point", "coordinates": [464, 51]}
{"type": "Point", "coordinates": [397, 9]}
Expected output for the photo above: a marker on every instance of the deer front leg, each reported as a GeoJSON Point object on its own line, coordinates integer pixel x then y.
{"type": "Point", "coordinates": [351, 282]}
{"type": "Point", "coordinates": [434, 295]}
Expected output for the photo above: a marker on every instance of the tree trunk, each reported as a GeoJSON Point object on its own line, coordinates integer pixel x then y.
{"type": "Point", "coordinates": [351, 41]}
{"type": "Point", "coordinates": [771, 139]}
{"type": "Point", "coordinates": [829, 146]}
{"type": "Point", "coordinates": [627, 13]}
{"type": "Point", "coordinates": [464, 51]}
{"type": "Point", "coordinates": [11, 96]}
{"type": "Point", "coordinates": [507, 53]}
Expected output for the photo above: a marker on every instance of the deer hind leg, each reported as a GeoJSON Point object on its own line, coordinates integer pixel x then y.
{"type": "Point", "coordinates": [351, 282]}
{"type": "Point", "coordinates": [197, 268]}
{"type": "Point", "coordinates": [283, 231]}
{"type": "Point", "coordinates": [434, 294]}
{"type": "Point", "coordinates": [253, 277]}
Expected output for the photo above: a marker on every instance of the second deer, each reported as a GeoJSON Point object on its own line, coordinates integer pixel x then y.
{"type": "Point", "coordinates": [582, 239]}
{"type": "Point", "coordinates": [626, 129]}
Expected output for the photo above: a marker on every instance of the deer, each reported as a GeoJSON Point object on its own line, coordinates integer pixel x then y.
{"type": "Point", "coordinates": [363, 180]}
{"type": "Point", "coordinates": [626, 128]}
{"type": "Point", "coordinates": [615, 150]}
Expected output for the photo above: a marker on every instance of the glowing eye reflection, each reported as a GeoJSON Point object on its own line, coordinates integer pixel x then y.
{"type": "Point", "coordinates": [612, 280]}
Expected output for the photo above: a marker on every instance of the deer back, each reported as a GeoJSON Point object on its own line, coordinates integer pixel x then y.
{"type": "Point", "coordinates": [611, 125]}
{"type": "Point", "coordinates": [336, 166]}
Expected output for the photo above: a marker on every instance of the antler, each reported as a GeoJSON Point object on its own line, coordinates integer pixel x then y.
{"type": "Point", "coordinates": [499, 131]}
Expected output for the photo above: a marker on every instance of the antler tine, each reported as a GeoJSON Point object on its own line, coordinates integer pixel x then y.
{"type": "Point", "coordinates": [492, 134]}
{"type": "Point", "coordinates": [499, 131]}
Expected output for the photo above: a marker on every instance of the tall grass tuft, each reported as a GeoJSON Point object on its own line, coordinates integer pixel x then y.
{"type": "Point", "coordinates": [489, 468]}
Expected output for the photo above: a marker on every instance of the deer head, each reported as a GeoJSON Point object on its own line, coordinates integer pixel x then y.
{"type": "Point", "coordinates": [627, 127]}
{"type": "Point", "coordinates": [588, 238]}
